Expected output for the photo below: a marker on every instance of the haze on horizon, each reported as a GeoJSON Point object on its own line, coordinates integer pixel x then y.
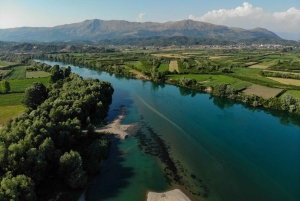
{"type": "Point", "coordinates": [281, 17]}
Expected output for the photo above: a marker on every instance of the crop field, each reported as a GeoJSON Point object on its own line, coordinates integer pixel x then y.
{"type": "Point", "coordinates": [36, 74]}
{"type": "Point", "coordinates": [277, 71]}
{"type": "Point", "coordinates": [17, 73]}
{"type": "Point", "coordinates": [265, 92]}
{"type": "Point", "coordinates": [258, 66]}
{"type": "Point", "coordinates": [286, 81]}
{"type": "Point", "coordinates": [173, 66]}
{"type": "Point", "coordinates": [163, 67]}
{"type": "Point", "coordinates": [170, 55]}
{"type": "Point", "coordinates": [22, 84]}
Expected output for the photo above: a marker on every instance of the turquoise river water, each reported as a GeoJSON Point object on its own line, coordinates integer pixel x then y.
{"type": "Point", "coordinates": [223, 150]}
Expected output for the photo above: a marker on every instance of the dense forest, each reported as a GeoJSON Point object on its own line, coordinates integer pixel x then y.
{"type": "Point", "coordinates": [44, 151]}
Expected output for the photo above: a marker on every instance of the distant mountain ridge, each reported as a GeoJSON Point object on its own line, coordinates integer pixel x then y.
{"type": "Point", "coordinates": [113, 29]}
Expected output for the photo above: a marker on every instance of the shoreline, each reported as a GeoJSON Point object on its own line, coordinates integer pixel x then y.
{"type": "Point", "coordinates": [205, 89]}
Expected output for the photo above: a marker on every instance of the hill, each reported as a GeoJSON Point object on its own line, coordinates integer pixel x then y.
{"type": "Point", "coordinates": [92, 30]}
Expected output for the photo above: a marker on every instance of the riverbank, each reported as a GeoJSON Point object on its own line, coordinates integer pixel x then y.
{"type": "Point", "coordinates": [173, 195]}
{"type": "Point", "coordinates": [228, 85]}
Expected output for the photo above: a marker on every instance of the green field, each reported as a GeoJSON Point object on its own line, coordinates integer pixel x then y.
{"type": "Point", "coordinates": [137, 64]}
{"type": "Point", "coordinates": [9, 112]}
{"type": "Point", "coordinates": [36, 74]}
{"type": "Point", "coordinates": [18, 72]}
{"type": "Point", "coordinates": [10, 106]}
{"type": "Point", "coordinates": [5, 63]}
{"type": "Point", "coordinates": [253, 74]}
{"type": "Point", "coordinates": [294, 93]}
{"type": "Point", "coordinates": [208, 80]}
{"type": "Point", "coordinates": [21, 85]}
{"type": "Point", "coordinates": [10, 99]}
{"type": "Point", "coordinates": [163, 67]}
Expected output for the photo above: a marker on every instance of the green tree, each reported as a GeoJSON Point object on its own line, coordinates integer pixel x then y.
{"type": "Point", "coordinates": [5, 86]}
{"type": "Point", "coordinates": [19, 188]}
{"type": "Point", "coordinates": [288, 102]}
{"type": "Point", "coordinates": [35, 95]}
{"type": "Point", "coordinates": [56, 73]}
{"type": "Point", "coordinates": [70, 167]}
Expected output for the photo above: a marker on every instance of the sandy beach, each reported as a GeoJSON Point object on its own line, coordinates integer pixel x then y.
{"type": "Point", "coordinates": [115, 127]}
{"type": "Point", "coordinates": [173, 195]}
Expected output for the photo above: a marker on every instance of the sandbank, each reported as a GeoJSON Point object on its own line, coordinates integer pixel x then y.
{"type": "Point", "coordinates": [173, 195]}
{"type": "Point", "coordinates": [115, 127]}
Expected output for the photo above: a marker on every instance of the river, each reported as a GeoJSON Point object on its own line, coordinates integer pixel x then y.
{"type": "Point", "coordinates": [223, 149]}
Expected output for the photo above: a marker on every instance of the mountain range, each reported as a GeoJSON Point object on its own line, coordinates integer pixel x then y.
{"type": "Point", "coordinates": [96, 30]}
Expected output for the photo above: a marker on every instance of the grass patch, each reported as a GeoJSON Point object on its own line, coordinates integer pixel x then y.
{"type": "Point", "coordinates": [240, 85]}
{"type": "Point", "coordinates": [21, 85]}
{"type": "Point", "coordinates": [294, 93]}
{"type": "Point", "coordinates": [10, 99]}
{"type": "Point", "coordinates": [9, 112]}
{"type": "Point", "coordinates": [36, 74]}
{"type": "Point", "coordinates": [6, 63]}
{"type": "Point", "coordinates": [163, 67]}
{"type": "Point", "coordinates": [141, 65]}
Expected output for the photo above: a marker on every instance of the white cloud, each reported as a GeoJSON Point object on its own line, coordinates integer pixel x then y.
{"type": "Point", "coordinates": [140, 17]}
{"type": "Point", "coordinates": [247, 16]}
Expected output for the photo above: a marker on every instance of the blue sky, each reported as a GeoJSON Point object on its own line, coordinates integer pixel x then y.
{"type": "Point", "coordinates": [271, 14]}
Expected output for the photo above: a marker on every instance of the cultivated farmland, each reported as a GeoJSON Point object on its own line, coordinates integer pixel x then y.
{"type": "Point", "coordinates": [286, 81]}
{"type": "Point", "coordinates": [163, 67]}
{"type": "Point", "coordinates": [265, 92]}
{"type": "Point", "coordinates": [36, 74]}
{"type": "Point", "coordinates": [173, 66]}
{"type": "Point", "coordinates": [258, 66]}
